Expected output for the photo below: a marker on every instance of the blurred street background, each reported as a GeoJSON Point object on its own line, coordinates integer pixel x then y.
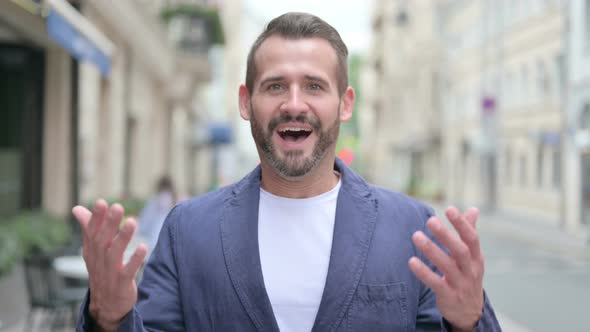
{"type": "Point", "coordinates": [468, 102]}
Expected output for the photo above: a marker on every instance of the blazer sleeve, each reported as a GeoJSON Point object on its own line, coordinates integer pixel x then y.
{"type": "Point", "coordinates": [158, 307]}
{"type": "Point", "coordinates": [429, 317]}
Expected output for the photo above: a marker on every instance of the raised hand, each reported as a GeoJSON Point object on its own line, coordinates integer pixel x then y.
{"type": "Point", "coordinates": [113, 291]}
{"type": "Point", "coordinates": [459, 292]}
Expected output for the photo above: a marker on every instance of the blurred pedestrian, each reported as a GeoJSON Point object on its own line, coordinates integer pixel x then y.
{"type": "Point", "coordinates": [154, 213]}
{"type": "Point", "coordinates": [302, 243]}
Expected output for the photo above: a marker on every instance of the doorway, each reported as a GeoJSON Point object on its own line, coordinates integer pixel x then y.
{"type": "Point", "coordinates": [21, 127]}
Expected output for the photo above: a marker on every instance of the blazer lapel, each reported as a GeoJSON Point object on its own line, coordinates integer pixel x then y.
{"type": "Point", "coordinates": [356, 212]}
{"type": "Point", "coordinates": [239, 237]}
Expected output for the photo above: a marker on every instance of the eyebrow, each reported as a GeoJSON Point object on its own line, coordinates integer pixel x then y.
{"type": "Point", "coordinates": [271, 79]}
{"type": "Point", "coordinates": [278, 78]}
{"type": "Point", "coordinates": [317, 79]}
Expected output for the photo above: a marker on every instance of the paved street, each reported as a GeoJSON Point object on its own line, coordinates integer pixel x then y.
{"type": "Point", "coordinates": [536, 288]}
{"type": "Point", "coordinates": [537, 276]}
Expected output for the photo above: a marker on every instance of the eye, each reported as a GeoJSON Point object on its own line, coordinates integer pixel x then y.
{"type": "Point", "coordinates": [314, 86]}
{"type": "Point", "coordinates": [274, 87]}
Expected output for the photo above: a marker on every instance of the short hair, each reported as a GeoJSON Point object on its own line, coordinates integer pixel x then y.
{"type": "Point", "coordinates": [165, 184]}
{"type": "Point", "coordinates": [299, 26]}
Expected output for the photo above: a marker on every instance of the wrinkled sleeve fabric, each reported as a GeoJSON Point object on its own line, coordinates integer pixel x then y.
{"type": "Point", "coordinates": [158, 307]}
{"type": "Point", "coordinates": [429, 317]}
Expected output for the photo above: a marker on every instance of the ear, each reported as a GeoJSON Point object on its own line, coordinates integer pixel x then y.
{"type": "Point", "coordinates": [347, 105]}
{"type": "Point", "coordinates": [244, 103]}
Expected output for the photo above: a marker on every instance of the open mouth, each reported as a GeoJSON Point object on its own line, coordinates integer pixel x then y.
{"type": "Point", "coordinates": [294, 134]}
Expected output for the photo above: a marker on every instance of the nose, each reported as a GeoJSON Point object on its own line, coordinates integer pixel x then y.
{"type": "Point", "coordinates": [295, 103]}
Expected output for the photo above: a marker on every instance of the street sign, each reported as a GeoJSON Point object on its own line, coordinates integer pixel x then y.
{"type": "Point", "coordinates": [220, 133]}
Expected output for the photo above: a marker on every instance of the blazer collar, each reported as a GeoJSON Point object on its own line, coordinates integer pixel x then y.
{"type": "Point", "coordinates": [356, 216]}
{"type": "Point", "coordinates": [356, 212]}
{"type": "Point", "coordinates": [239, 238]}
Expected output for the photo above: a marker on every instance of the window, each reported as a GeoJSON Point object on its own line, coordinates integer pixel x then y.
{"type": "Point", "coordinates": [559, 77]}
{"type": "Point", "coordinates": [378, 66]}
{"type": "Point", "coordinates": [540, 166]}
{"type": "Point", "coordinates": [523, 170]}
{"type": "Point", "coordinates": [556, 176]}
{"type": "Point", "coordinates": [585, 118]}
{"type": "Point", "coordinates": [509, 93]}
{"type": "Point", "coordinates": [542, 80]}
{"type": "Point", "coordinates": [524, 87]}
{"type": "Point", "coordinates": [507, 167]}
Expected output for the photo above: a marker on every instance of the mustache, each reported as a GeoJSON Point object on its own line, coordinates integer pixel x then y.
{"type": "Point", "coordinates": [286, 118]}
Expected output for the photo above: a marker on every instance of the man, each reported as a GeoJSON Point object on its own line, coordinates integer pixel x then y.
{"type": "Point", "coordinates": [302, 243]}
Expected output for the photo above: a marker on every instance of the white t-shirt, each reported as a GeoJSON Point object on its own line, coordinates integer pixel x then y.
{"type": "Point", "coordinates": [295, 239]}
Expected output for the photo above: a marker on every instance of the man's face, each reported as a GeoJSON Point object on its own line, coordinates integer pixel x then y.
{"type": "Point", "coordinates": [294, 108]}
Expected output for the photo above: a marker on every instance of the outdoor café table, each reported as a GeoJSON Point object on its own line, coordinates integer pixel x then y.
{"type": "Point", "coordinates": [73, 266]}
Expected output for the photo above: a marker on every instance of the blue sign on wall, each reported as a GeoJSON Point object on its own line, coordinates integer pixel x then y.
{"type": "Point", "coordinates": [220, 133]}
{"type": "Point", "coordinates": [80, 47]}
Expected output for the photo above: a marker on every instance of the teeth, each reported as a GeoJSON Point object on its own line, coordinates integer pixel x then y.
{"type": "Point", "coordinates": [294, 129]}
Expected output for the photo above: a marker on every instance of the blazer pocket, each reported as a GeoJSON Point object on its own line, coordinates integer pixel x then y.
{"type": "Point", "coordinates": [379, 308]}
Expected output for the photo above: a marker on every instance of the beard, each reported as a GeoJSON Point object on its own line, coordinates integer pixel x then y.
{"type": "Point", "coordinates": [293, 164]}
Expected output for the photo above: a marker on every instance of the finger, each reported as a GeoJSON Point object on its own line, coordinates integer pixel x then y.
{"type": "Point", "coordinates": [437, 256]}
{"type": "Point", "coordinates": [465, 230]}
{"type": "Point", "coordinates": [135, 262]}
{"type": "Point", "coordinates": [83, 216]}
{"type": "Point", "coordinates": [98, 215]}
{"type": "Point", "coordinates": [121, 241]}
{"type": "Point", "coordinates": [459, 251]}
{"type": "Point", "coordinates": [427, 276]}
{"type": "Point", "coordinates": [111, 225]}
{"type": "Point", "coordinates": [471, 215]}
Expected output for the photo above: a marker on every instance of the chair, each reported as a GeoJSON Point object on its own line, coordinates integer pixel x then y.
{"type": "Point", "coordinates": [51, 293]}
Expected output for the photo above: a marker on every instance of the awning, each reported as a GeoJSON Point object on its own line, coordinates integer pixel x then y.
{"type": "Point", "coordinates": [71, 30]}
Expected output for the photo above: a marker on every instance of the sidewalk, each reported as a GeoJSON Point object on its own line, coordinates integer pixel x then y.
{"type": "Point", "coordinates": [508, 325]}
{"type": "Point", "coordinates": [542, 233]}
{"type": "Point", "coordinates": [38, 325]}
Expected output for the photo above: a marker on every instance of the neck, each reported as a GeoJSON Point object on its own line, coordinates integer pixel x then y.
{"type": "Point", "coordinates": [319, 180]}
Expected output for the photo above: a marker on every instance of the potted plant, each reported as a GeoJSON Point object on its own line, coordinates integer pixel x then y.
{"type": "Point", "coordinates": [194, 28]}
{"type": "Point", "coordinates": [10, 252]}
{"type": "Point", "coordinates": [39, 233]}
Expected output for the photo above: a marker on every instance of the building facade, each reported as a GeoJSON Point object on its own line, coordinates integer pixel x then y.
{"type": "Point", "coordinates": [577, 126]}
{"type": "Point", "coordinates": [471, 97]}
{"type": "Point", "coordinates": [38, 103]}
{"type": "Point", "coordinates": [504, 93]}
{"type": "Point", "coordinates": [103, 107]}
{"type": "Point", "coordinates": [401, 109]}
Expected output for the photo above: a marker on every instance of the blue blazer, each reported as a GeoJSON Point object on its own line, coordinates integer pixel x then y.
{"type": "Point", "coordinates": [205, 272]}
